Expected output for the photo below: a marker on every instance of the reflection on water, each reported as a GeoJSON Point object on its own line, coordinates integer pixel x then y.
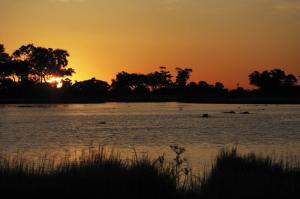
{"type": "Point", "coordinates": [151, 127]}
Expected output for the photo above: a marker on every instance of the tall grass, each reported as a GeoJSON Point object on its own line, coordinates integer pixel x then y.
{"type": "Point", "coordinates": [100, 174]}
{"type": "Point", "coordinates": [251, 176]}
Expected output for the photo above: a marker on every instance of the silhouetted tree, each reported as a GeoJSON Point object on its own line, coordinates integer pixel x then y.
{"type": "Point", "coordinates": [191, 90]}
{"type": "Point", "coordinates": [25, 72]}
{"type": "Point", "coordinates": [59, 64]}
{"type": "Point", "coordinates": [91, 88]}
{"type": "Point", "coordinates": [4, 57]}
{"type": "Point", "coordinates": [192, 85]}
{"type": "Point", "coordinates": [126, 83]}
{"type": "Point", "coordinates": [121, 84]}
{"type": "Point", "coordinates": [272, 80]}
{"type": "Point", "coordinates": [137, 80]}
{"type": "Point", "coordinates": [67, 83]}
{"type": "Point", "coordinates": [290, 81]}
{"type": "Point", "coordinates": [182, 76]}
{"type": "Point", "coordinates": [219, 86]}
{"type": "Point", "coordinates": [44, 62]}
{"type": "Point", "coordinates": [160, 79]}
{"type": "Point", "coordinates": [141, 90]}
{"type": "Point", "coordinates": [203, 85]}
{"type": "Point", "coordinates": [5, 71]}
{"type": "Point", "coordinates": [21, 69]}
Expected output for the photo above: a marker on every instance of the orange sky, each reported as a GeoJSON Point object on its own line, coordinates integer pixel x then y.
{"type": "Point", "coordinates": [221, 40]}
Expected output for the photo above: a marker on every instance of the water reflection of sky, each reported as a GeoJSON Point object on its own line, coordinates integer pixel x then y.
{"type": "Point", "coordinates": [151, 127]}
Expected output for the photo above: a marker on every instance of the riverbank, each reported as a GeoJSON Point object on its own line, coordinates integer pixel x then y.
{"type": "Point", "coordinates": [101, 175]}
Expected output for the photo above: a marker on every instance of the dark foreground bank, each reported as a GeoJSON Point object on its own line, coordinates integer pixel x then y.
{"type": "Point", "coordinates": [98, 175]}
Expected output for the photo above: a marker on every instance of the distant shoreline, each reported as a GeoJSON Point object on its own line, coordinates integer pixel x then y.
{"type": "Point", "coordinates": [150, 99]}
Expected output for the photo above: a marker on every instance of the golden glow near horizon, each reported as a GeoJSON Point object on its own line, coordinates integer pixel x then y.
{"type": "Point", "coordinates": [221, 40]}
{"type": "Point", "coordinates": [56, 81]}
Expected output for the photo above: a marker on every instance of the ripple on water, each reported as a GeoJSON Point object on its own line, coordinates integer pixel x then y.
{"type": "Point", "coordinates": [151, 127]}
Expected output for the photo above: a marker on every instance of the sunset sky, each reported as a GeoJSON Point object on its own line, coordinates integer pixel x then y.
{"type": "Point", "coordinates": [222, 40]}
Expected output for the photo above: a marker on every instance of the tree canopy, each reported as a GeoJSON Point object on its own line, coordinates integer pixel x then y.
{"type": "Point", "coordinates": [272, 80]}
{"type": "Point", "coordinates": [28, 70]}
{"type": "Point", "coordinates": [37, 64]}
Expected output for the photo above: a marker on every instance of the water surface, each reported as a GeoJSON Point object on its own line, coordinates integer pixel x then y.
{"type": "Point", "coordinates": [151, 127]}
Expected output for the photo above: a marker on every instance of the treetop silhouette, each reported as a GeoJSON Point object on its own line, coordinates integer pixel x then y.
{"type": "Point", "coordinates": [26, 71]}
{"type": "Point", "coordinates": [36, 64]}
{"type": "Point", "coordinates": [272, 80]}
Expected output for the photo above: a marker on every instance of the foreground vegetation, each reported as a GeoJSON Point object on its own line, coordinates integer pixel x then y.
{"type": "Point", "coordinates": [99, 175]}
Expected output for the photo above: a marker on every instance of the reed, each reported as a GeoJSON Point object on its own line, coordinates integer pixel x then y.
{"type": "Point", "coordinates": [100, 174]}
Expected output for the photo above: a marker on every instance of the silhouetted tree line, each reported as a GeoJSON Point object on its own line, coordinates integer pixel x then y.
{"type": "Point", "coordinates": [26, 72]}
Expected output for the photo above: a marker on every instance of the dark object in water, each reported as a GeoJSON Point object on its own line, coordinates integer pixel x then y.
{"type": "Point", "coordinates": [229, 112]}
{"type": "Point", "coordinates": [205, 115]}
{"type": "Point", "coordinates": [102, 122]}
{"type": "Point", "coordinates": [246, 112]}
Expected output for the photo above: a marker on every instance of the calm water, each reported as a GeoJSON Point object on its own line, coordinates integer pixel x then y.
{"type": "Point", "coordinates": [151, 127]}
